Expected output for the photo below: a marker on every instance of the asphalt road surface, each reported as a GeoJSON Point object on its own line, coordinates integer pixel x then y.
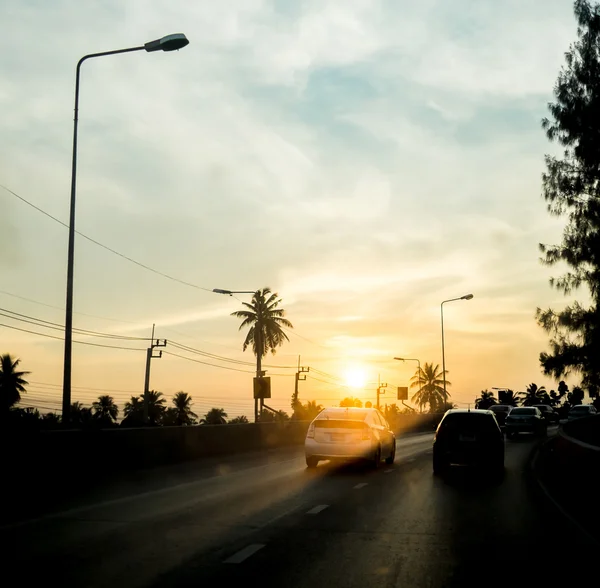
{"type": "Point", "coordinates": [267, 520]}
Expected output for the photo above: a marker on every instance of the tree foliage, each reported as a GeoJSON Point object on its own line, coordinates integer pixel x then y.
{"type": "Point", "coordinates": [571, 187]}
{"type": "Point", "coordinates": [12, 381]}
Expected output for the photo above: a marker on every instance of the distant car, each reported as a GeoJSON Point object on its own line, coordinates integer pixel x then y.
{"type": "Point", "coordinates": [350, 434]}
{"type": "Point", "coordinates": [468, 438]}
{"type": "Point", "coordinates": [525, 419]}
{"type": "Point", "coordinates": [549, 414]}
{"type": "Point", "coordinates": [581, 411]}
{"type": "Point", "coordinates": [501, 411]}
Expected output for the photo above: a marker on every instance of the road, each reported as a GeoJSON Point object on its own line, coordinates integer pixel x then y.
{"type": "Point", "coordinates": [268, 519]}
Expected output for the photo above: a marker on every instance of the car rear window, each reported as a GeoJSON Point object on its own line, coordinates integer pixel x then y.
{"type": "Point", "coordinates": [544, 408]}
{"type": "Point", "coordinates": [339, 424]}
{"type": "Point", "coordinates": [580, 409]}
{"type": "Point", "coordinates": [473, 422]}
{"type": "Point", "coordinates": [519, 411]}
{"type": "Point", "coordinates": [343, 415]}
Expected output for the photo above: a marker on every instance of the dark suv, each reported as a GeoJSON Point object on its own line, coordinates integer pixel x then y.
{"type": "Point", "coordinates": [549, 414]}
{"type": "Point", "coordinates": [501, 411]}
{"type": "Point", "coordinates": [468, 437]}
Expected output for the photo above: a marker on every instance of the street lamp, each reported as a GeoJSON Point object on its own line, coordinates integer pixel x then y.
{"type": "Point", "coordinates": [168, 43]}
{"type": "Point", "coordinates": [465, 297]}
{"type": "Point", "coordinates": [411, 359]}
{"type": "Point", "coordinates": [232, 292]}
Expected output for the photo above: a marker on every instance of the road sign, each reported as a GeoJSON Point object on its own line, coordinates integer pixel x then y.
{"type": "Point", "coordinates": [402, 392]}
{"type": "Point", "coordinates": [262, 387]}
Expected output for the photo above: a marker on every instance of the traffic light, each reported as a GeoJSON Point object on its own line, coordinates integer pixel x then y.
{"type": "Point", "coordinates": [262, 387]}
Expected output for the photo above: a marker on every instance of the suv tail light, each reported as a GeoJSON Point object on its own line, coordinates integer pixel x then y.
{"type": "Point", "coordinates": [311, 431]}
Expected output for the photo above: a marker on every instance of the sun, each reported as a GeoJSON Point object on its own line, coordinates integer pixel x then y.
{"type": "Point", "coordinates": [356, 377]}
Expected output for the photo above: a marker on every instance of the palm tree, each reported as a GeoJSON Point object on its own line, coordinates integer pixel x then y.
{"type": "Point", "coordinates": [183, 405]}
{"type": "Point", "coordinates": [533, 395]}
{"type": "Point", "coordinates": [239, 420]}
{"type": "Point", "coordinates": [105, 408]}
{"type": "Point", "coordinates": [133, 407]}
{"type": "Point", "coordinates": [266, 324]}
{"type": "Point", "coordinates": [12, 382]}
{"type": "Point", "coordinates": [308, 411]}
{"type": "Point", "coordinates": [485, 400]}
{"type": "Point", "coordinates": [430, 383]}
{"type": "Point", "coordinates": [215, 416]}
{"type": "Point", "coordinates": [156, 407]}
{"type": "Point", "coordinates": [80, 415]}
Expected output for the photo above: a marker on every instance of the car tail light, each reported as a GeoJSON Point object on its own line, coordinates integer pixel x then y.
{"type": "Point", "coordinates": [311, 431]}
{"type": "Point", "coordinates": [366, 434]}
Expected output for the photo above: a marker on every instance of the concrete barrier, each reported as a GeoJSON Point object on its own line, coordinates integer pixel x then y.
{"type": "Point", "coordinates": [45, 466]}
{"type": "Point", "coordinates": [569, 467]}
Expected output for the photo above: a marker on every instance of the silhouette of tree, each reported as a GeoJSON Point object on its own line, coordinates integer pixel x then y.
{"type": "Point", "coordinates": [571, 187]}
{"type": "Point", "coordinates": [307, 411]}
{"type": "Point", "coordinates": [215, 416]}
{"type": "Point", "coordinates": [169, 418]}
{"type": "Point", "coordinates": [575, 396]}
{"type": "Point", "coordinates": [135, 406]}
{"type": "Point", "coordinates": [12, 382]}
{"type": "Point", "coordinates": [183, 406]}
{"type": "Point", "coordinates": [239, 420]}
{"type": "Point", "coordinates": [350, 401]}
{"type": "Point", "coordinates": [156, 407]}
{"type": "Point", "coordinates": [81, 416]}
{"type": "Point", "coordinates": [105, 409]}
{"type": "Point", "coordinates": [533, 395]}
{"type": "Point", "coordinates": [508, 397]}
{"type": "Point", "coordinates": [429, 381]}
{"type": "Point", "coordinates": [485, 400]}
{"type": "Point", "coordinates": [268, 416]}
{"type": "Point", "coordinates": [266, 324]}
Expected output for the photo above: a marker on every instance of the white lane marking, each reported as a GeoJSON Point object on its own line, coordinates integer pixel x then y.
{"type": "Point", "coordinates": [409, 460]}
{"type": "Point", "coordinates": [388, 471]}
{"type": "Point", "coordinates": [317, 509]}
{"type": "Point", "coordinates": [244, 554]}
{"type": "Point", "coordinates": [359, 486]}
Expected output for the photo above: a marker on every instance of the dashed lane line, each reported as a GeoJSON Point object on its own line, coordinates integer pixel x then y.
{"type": "Point", "coordinates": [388, 471]}
{"type": "Point", "coordinates": [359, 486]}
{"type": "Point", "coordinates": [244, 554]}
{"type": "Point", "coordinates": [317, 509]}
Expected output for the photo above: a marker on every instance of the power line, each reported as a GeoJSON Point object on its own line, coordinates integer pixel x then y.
{"type": "Point", "coordinates": [223, 358]}
{"type": "Point", "coordinates": [57, 326]}
{"type": "Point", "coordinates": [80, 342]}
{"type": "Point", "coordinates": [114, 251]}
{"type": "Point", "coordinates": [105, 318]}
{"type": "Point", "coordinates": [223, 367]}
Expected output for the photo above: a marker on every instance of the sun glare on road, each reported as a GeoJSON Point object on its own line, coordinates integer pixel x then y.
{"type": "Point", "coordinates": [356, 377]}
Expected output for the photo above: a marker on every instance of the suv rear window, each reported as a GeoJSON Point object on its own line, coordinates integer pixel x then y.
{"type": "Point", "coordinates": [472, 422]}
{"type": "Point", "coordinates": [526, 411]}
{"type": "Point", "coordinates": [343, 415]}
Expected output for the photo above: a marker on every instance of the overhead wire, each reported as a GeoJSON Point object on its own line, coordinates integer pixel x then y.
{"type": "Point", "coordinates": [74, 341]}
{"type": "Point", "coordinates": [114, 251]}
{"type": "Point", "coordinates": [57, 326]}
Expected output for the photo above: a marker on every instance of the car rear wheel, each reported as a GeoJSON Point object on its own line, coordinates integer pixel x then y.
{"type": "Point", "coordinates": [390, 460]}
{"type": "Point", "coordinates": [376, 458]}
{"type": "Point", "coordinates": [438, 466]}
{"type": "Point", "coordinates": [312, 462]}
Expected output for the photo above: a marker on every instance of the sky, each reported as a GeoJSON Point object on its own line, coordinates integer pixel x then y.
{"type": "Point", "coordinates": [366, 160]}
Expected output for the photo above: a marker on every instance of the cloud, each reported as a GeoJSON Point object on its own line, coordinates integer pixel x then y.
{"type": "Point", "coordinates": [365, 159]}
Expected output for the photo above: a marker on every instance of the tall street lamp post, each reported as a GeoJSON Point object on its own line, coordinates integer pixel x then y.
{"type": "Point", "coordinates": [168, 43]}
{"type": "Point", "coordinates": [465, 297]}
{"type": "Point", "coordinates": [411, 359]}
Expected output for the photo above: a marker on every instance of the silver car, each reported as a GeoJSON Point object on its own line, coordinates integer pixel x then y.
{"type": "Point", "coordinates": [350, 434]}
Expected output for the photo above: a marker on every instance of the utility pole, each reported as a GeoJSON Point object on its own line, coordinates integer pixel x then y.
{"type": "Point", "coordinates": [300, 377]}
{"type": "Point", "coordinates": [149, 356]}
{"type": "Point", "coordinates": [379, 388]}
